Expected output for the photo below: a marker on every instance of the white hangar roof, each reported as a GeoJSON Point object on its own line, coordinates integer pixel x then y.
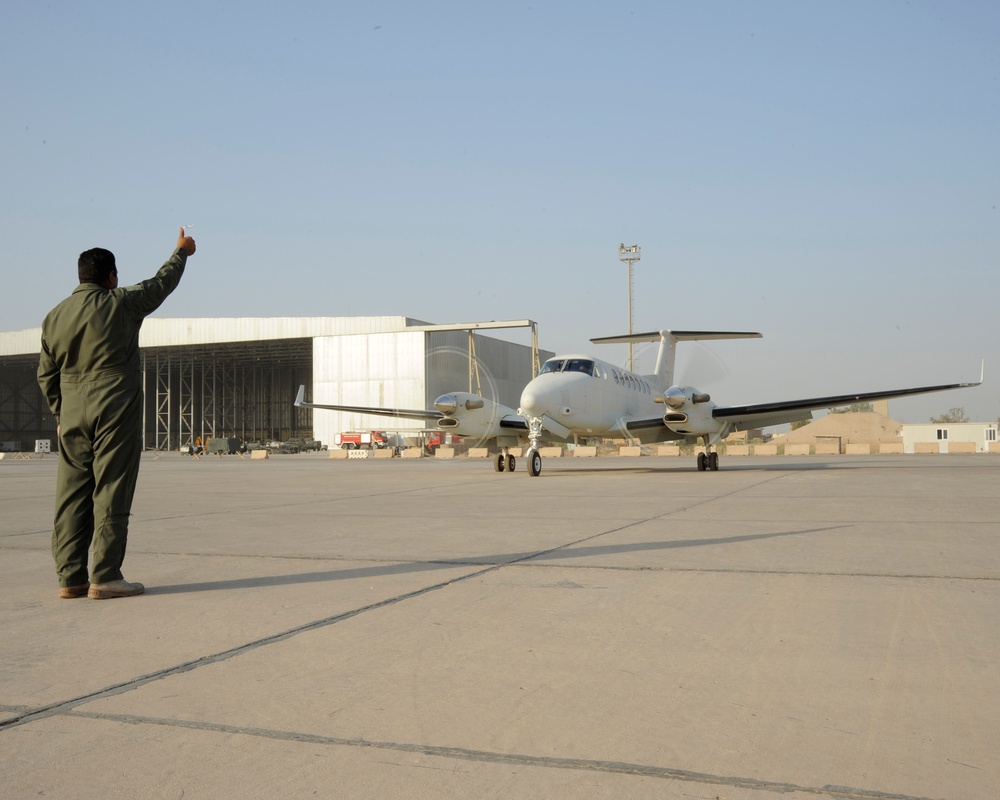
{"type": "Point", "coordinates": [160, 332]}
{"type": "Point", "coordinates": [181, 332]}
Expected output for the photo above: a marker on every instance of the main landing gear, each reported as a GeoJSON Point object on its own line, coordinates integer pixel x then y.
{"type": "Point", "coordinates": [504, 461]}
{"type": "Point", "coordinates": [708, 460]}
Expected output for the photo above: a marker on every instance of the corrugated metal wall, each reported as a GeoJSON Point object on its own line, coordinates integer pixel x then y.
{"type": "Point", "coordinates": [408, 370]}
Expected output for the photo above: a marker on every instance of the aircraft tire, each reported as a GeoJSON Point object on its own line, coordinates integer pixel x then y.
{"type": "Point", "coordinates": [511, 463]}
{"type": "Point", "coordinates": [702, 462]}
{"type": "Point", "coordinates": [499, 463]}
{"type": "Point", "coordinates": [534, 463]}
{"type": "Point", "coordinates": [713, 462]}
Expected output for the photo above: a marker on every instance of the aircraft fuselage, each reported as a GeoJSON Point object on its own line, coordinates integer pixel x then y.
{"type": "Point", "coordinates": [589, 396]}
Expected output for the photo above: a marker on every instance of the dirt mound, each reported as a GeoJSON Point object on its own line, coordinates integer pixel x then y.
{"type": "Point", "coordinates": [855, 427]}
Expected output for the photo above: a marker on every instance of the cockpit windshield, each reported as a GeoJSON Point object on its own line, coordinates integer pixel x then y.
{"type": "Point", "coordinates": [580, 365]}
{"type": "Point", "coordinates": [584, 365]}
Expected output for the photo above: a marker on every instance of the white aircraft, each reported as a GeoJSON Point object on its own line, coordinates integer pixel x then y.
{"type": "Point", "coordinates": [580, 397]}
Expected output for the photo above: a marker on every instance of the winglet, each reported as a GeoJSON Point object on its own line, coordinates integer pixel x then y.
{"type": "Point", "coordinates": [300, 398]}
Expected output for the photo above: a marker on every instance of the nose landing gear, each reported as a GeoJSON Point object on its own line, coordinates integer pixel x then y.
{"type": "Point", "coordinates": [534, 463]}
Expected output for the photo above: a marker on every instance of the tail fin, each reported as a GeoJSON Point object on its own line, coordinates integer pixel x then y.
{"type": "Point", "coordinates": [668, 345]}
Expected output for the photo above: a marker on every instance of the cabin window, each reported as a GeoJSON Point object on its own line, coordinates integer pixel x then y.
{"type": "Point", "coordinates": [554, 365]}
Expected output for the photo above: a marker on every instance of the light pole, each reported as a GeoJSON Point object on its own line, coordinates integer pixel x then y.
{"type": "Point", "coordinates": [629, 255]}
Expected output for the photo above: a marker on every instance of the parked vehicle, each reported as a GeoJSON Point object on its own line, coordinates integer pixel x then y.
{"type": "Point", "coordinates": [436, 439]}
{"type": "Point", "coordinates": [354, 440]}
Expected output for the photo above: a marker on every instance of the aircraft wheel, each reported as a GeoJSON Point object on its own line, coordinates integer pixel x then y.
{"type": "Point", "coordinates": [534, 463]}
{"type": "Point", "coordinates": [511, 463]}
{"type": "Point", "coordinates": [713, 462]}
{"type": "Point", "coordinates": [702, 462]}
{"type": "Point", "coordinates": [499, 463]}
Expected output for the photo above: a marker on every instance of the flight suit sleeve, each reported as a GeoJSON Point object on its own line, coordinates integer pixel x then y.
{"type": "Point", "coordinates": [144, 298]}
{"type": "Point", "coordinates": [49, 379]}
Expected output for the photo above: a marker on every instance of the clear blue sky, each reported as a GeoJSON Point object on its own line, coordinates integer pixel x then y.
{"type": "Point", "coordinates": [826, 173]}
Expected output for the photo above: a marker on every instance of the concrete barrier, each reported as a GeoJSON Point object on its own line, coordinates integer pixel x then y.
{"type": "Point", "coordinates": [630, 451]}
{"type": "Point", "coordinates": [993, 447]}
{"type": "Point", "coordinates": [962, 447]}
{"type": "Point", "coordinates": [926, 447]}
{"type": "Point", "coordinates": [358, 453]}
{"type": "Point", "coordinates": [737, 450]}
{"type": "Point", "coordinates": [479, 452]}
{"type": "Point", "coordinates": [797, 449]}
{"type": "Point", "coordinates": [585, 451]}
{"type": "Point", "coordinates": [668, 450]}
{"type": "Point", "coordinates": [858, 449]}
{"type": "Point", "coordinates": [550, 452]}
{"type": "Point", "coordinates": [890, 448]}
{"type": "Point", "coordinates": [383, 452]}
{"type": "Point", "coordinates": [444, 452]}
{"type": "Point", "coordinates": [337, 452]}
{"type": "Point", "coordinates": [827, 449]}
{"type": "Point", "coordinates": [765, 449]}
{"type": "Point", "coordinates": [412, 452]}
{"type": "Point", "coordinates": [259, 455]}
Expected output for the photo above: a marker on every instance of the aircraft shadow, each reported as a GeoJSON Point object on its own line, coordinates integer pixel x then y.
{"type": "Point", "coordinates": [385, 570]}
{"type": "Point", "coordinates": [556, 471]}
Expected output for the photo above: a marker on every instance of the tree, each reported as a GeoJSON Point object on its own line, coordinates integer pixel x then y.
{"type": "Point", "coordinates": [952, 415]}
{"type": "Point", "coordinates": [851, 409]}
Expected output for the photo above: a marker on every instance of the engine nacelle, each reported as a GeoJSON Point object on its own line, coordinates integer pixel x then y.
{"type": "Point", "coordinates": [471, 415]}
{"type": "Point", "coordinates": [690, 412]}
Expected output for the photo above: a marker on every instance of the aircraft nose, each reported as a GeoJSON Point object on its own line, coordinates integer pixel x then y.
{"type": "Point", "coordinates": [535, 400]}
{"type": "Point", "coordinates": [529, 400]}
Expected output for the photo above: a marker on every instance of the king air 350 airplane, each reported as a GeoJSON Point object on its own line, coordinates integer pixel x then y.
{"type": "Point", "coordinates": [580, 397]}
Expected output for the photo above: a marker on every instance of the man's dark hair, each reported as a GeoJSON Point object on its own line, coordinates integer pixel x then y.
{"type": "Point", "coordinates": [94, 266]}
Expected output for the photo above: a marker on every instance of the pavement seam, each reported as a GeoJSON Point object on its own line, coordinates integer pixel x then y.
{"type": "Point", "coordinates": [126, 686]}
{"type": "Point", "coordinates": [54, 709]}
{"type": "Point", "coordinates": [467, 754]}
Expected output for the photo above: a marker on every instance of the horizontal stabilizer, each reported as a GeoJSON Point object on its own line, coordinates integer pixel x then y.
{"type": "Point", "coordinates": [677, 336]}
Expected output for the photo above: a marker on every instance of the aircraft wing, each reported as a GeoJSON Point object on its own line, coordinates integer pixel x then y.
{"type": "Point", "coordinates": [403, 413]}
{"type": "Point", "coordinates": [761, 415]}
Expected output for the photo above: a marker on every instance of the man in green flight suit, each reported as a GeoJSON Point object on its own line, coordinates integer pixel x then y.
{"type": "Point", "coordinates": [91, 375]}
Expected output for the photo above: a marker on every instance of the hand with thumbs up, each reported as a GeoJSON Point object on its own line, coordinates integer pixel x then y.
{"type": "Point", "coordinates": [186, 242]}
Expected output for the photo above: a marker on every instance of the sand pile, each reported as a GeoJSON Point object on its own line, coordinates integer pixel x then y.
{"type": "Point", "coordinates": [857, 427]}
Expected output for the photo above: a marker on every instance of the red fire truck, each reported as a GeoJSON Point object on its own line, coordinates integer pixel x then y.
{"type": "Point", "coordinates": [373, 440]}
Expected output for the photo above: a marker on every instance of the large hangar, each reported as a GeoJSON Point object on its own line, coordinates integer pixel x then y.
{"type": "Point", "coordinates": [237, 378]}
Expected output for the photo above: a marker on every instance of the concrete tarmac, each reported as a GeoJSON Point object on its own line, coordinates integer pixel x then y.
{"type": "Point", "coordinates": [802, 627]}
